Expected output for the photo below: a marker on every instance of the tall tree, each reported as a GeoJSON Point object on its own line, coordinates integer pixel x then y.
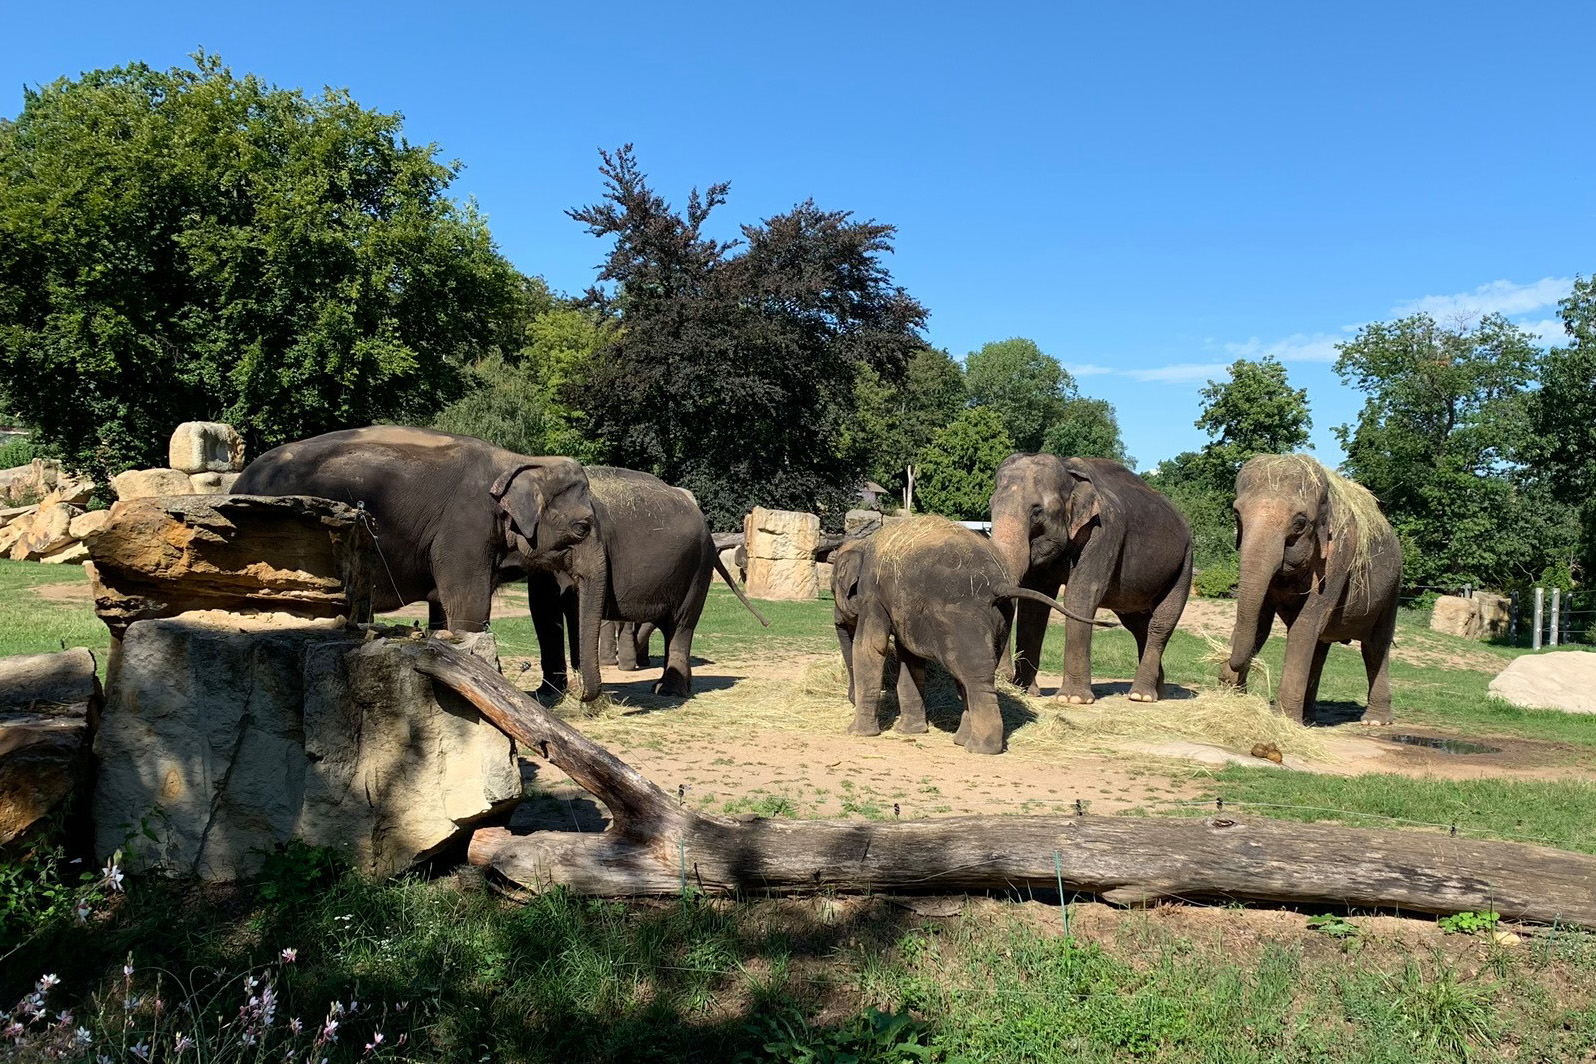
{"type": "Point", "coordinates": [1087, 428]}
{"type": "Point", "coordinates": [190, 245]}
{"type": "Point", "coordinates": [1562, 443]}
{"type": "Point", "coordinates": [895, 423]}
{"type": "Point", "coordinates": [1438, 440]}
{"type": "Point", "coordinates": [1256, 411]}
{"type": "Point", "coordinates": [734, 375]}
{"type": "Point", "coordinates": [1026, 387]}
{"type": "Point", "coordinates": [958, 468]}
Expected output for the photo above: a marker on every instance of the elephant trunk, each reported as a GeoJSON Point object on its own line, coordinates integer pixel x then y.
{"type": "Point", "coordinates": [592, 576]}
{"type": "Point", "coordinates": [1011, 536]}
{"type": "Point", "coordinates": [1261, 553]}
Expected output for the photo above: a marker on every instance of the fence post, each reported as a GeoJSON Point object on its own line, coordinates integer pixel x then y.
{"type": "Point", "coordinates": [1468, 591]}
{"type": "Point", "coordinates": [1557, 612]}
{"type": "Point", "coordinates": [1568, 618]}
{"type": "Point", "coordinates": [1512, 620]}
{"type": "Point", "coordinates": [1540, 599]}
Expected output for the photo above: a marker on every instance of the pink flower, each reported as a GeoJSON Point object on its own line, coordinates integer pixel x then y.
{"type": "Point", "coordinates": [290, 955]}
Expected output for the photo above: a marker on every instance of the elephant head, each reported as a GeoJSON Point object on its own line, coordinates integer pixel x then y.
{"type": "Point", "coordinates": [847, 566]}
{"type": "Point", "coordinates": [1043, 507]}
{"type": "Point", "coordinates": [1284, 518]}
{"type": "Point", "coordinates": [549, 520]}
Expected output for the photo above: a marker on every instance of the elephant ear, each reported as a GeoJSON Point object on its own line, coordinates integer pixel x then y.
{"type": "Point", "coordinates": [845, 575]}
{"type": "Point", "coordinates": [1323, 524]}
{"type": "Point", "coordinates": [1088, 498]}
{"type": "Point", "coordinates": [502, 484]}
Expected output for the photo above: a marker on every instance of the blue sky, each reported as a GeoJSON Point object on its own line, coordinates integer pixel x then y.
{"type": "Point", "coordinates": [1147, 190]}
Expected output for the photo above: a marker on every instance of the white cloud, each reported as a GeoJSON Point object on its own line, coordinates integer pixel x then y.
{"type": "Point", "coordinates": [1298, 347]}
{"type": "Point", "coordinates": [1178, 373]}
{"type": "Point", "coordinates": [1549, 331]}
{"type": "Point", "coordinates": [1494, 297]}
{"type": "Point", "coordinates": [1088, 369]}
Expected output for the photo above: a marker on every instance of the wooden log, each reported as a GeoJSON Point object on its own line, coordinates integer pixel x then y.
{"type": "Point", "coordinates": [656, 846]}
{"type": "Point", "coordinates": [727, 539]}
{"type": "Point", "coordinates": [49, 706]}
{"type": "Point", "coordinates": [159, 557]}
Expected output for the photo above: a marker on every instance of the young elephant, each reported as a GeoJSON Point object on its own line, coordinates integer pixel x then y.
{"type": "Point", "coordinates": [660, 561]}
{"type": "Point", "coordinates": [1317, 552]}
{"type": "Point", "coordinates": [941, 593]}
{"type": "Point", "coordinates": [1096, 527]}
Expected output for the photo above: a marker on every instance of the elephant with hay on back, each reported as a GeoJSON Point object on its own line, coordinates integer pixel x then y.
{"type": "Point", "coordinates": [1317, 552]}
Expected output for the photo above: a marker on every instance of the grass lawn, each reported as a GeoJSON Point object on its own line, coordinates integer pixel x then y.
{"type": "Point", "coordinates": [462, 972]}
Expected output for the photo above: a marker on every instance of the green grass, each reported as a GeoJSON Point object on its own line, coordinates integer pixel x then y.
{"type": "Point", "coordinates": [31, 625]}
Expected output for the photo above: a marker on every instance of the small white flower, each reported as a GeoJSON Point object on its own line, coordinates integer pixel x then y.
{"type": "Point", "coordinates": [112, 874]}
{"type": "Point", "coordinates": [83, 1035]}
{"type": "Point", "coordinates": [47, 981]}
{"type": "Point", "coordinates": [142, 1051]}
{"type": "Point", "coordinates": [290, 955]}
{"type": "Point", "coordinates": [295, 1026]}
{"type": "Point", "coordinates": [127, 970]}
{"type": "Point", "coordinates": [183, 1044]}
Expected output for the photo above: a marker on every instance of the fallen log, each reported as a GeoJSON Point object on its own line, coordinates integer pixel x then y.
{"type": "Point", "coordinates": [655, 845]}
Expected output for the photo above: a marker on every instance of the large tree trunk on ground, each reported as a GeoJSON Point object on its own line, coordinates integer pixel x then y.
{"type": "Point", "coordinates": [49, 707]}
{"type": "Point", "coordinates": [656, 846]}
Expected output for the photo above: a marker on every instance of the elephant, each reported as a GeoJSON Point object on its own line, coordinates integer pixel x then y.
{"type": "Point", "coordinates": [624, 644]}
{"type": "Point", "coordinates": [1317, 552]}
{"type": "Point", "coordinates": [1096, 528]}
{"type": "Point", "coordinates": [661, 559]}
{"type": "Point", "coordinates": [453, 516]}
{"type": "Point", "coordinates": [940, 592]}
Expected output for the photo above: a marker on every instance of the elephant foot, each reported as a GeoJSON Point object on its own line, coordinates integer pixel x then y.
{"type": "Point", "coordinates": [1143, 695]}
{"type": "Point", "coordinates": [1376, 718]}
{"type": "Point", "coordinates": [911, 727]}
{"type": "Point", "coordinates": [1076, 696]}
{"type": "Point", "coordinates": [864, 727]}
{"type": "Point", "coordinates": [673, 688]}
{"type": "Point", "coordinates": [1231, 678]}
{"type": "Point", "coordinates": [986, 744]}
{"type": "Point", "coordinates": [628, 666]}
{"type": "Point", "coordinates": [608, 659]}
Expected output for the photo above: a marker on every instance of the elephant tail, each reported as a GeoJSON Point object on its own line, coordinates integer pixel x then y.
{"type": "Point", "coordinates": [720, 567]}
{"type": "Point", "coordinates": [1010, 591]}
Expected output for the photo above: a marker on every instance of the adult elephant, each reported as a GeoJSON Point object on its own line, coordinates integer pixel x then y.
{"type": "Point", "coordinates": [454, 516]}
{"type": "Point", "coordinates": [1097, 529]}
{"type": "Point", "coordinates": [661, 559]}
{"type": "Point", "coordinates": [1317, 553]}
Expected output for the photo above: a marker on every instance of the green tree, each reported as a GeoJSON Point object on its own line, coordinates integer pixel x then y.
{"type": "Point", "coordinates": [1026, 387]}
{"type": "Point", "coordinates": [1438, 442]}
{"type": "Point", "coordinates": [735, 375]}
{"type": "Point", "coordinates": [187, 244]}
{"type": "Point", "coordinates": [955, 475]}
{"type": "Point", "coordinates": [1087, 428]}
{"type": "Point", "coordinates": [1256, 411]}
{"type": "Point", "coordinates": [894, 423]}
{"type": "Point", "coordinates": [1562, 443]}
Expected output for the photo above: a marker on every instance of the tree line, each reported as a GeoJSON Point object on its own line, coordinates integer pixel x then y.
{"type": "Point", "coordinates": [190, 244]}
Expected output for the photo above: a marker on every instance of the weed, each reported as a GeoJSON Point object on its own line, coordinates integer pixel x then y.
{"type": "Point", "coordinates": [873, 1037]}
{"type": "Point", "coordinates": [1332, 926]}
{"type": "Point", "coordinates": [1468, 923]}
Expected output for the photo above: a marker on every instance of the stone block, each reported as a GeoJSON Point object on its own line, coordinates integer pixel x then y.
{"type": "Point", "coordinates": [46, 532]}
{"type": "Point", "coordinates": [89, 523]}
{"type": "Point", "coordinates": [150, 484]}
{"type": "Point", "coordinates": [1495, 614]}
{"type": "Point", "coordinates": [49, 703]}
{"type": "Point", "coordinates": [861, 522]}
{"type": "Point", "coordinates": [1563, 679]}
{"type": "Point", "coordinates": [206, 447]}
{"type": "Point", "coordinates": [232, 736]}
{"type": "Point", "coordinates": [780, 546]}
{"type": "Point", "coordinates": [1455, 615]}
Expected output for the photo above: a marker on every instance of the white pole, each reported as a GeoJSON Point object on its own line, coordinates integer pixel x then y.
{"type": "Point", "coordinates": [1557, 611]}
{"type": "Point", "coordinates": [1540, 602]}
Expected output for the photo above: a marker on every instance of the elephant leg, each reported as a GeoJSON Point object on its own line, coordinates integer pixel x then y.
{"type": "Point", "coordinates": [845, 643]}
{"type": "Point", "coordinates": [678, 677]}
{"type": "Point", "coordinates": [1310, 699]}
{"type": "Point", "coordinates": [1302, 643]}
{"type": "Point", "coordinates": [869, 662]}
{"type": "Point", "coordinates": [1377, 663]}
{"type": "Point", "coordinates": [911, 692]}
{"type": "Point", "coordinates": [626, 647]}
{"type": "Point", "coordinates": [1077, 686]}
{"type": "Point", "coordinates": [548, 620]}
{"type": "Point", "coordinates": [981, 727]}
{"type": "Point", "coordinates": [467, 601]}
{"type": "Point", "coordinates": [435, 617]}
{"type": "Point", "coordinates": [607, 647]}
{"type": "Point", "coordinates": [1030, 626]}
{"type": "Point", "coordinates": [642, 633]}
{"type": "Point", "coordinates": [1142, 690]}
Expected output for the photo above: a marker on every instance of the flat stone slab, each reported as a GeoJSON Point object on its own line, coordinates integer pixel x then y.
{"type": "Point", "coordinates": [1564, 679]}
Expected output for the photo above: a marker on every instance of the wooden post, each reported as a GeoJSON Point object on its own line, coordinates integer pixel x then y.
{"type": "Point", "coordinates": [1557, 612]}
{"type": "Point", "coordinates": [1540, 602]}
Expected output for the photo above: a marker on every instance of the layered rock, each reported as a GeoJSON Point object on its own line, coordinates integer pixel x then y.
{"type": "Point", "coordinates": [229, 736]}
{"type": "Point", "coordinates": [151, 484]}
{"type": "Point", "coordinates": [161, 557]}
{"type": "Point", "coordinates": [861, 522]}
{"type": "Point", "coordinates": [205, 447]}
{"type": "Point", "coordinates": [1483, 616]}
{"type": "Point", "coordinates": [781, 548]}
{"type": "Point", "coordinates": [49, 704]}
{"type": "Point", "coordinates": [30, 483]}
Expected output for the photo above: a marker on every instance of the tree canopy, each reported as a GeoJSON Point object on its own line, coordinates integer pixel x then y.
{"type": "Point", "coordinates": [958, 469]}
{"type": "Point", "coordinates": [733, 367]}
{"type": "Point", "coordinates": [190, 245]}
{"type": "Point", "coordinates": [1024, 386]}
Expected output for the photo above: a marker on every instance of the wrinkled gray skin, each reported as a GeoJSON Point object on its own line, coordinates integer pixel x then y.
{"type": "Point", "coordinates": [661, 559]}
{"type": "Point", "coordinates": [957, 614]}
{"type": "Point", "coordinates": [1293, 567]}
{"type": "Point", "coordinates": [454, 516]}
{"type": "Point", "coordinates": [624, 644]}
{"type": "Point", "coordinates": [1095, 528]}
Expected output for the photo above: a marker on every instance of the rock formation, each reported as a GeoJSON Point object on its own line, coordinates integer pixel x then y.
{"type": "Point", "coordinates": [781, 548]}
{"type": "Point", "coordinates": [1564, 679]}
{"type": "Point", "coordinates": [48, 704]}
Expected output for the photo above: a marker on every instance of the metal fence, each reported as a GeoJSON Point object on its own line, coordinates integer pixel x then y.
{"type": "Point", "coordinates": [1539, 617]}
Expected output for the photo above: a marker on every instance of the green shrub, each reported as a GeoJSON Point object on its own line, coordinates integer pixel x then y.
{"type": "Point", "coordinates": [1219, 581]}
{"type": "Point", "coordinates": [17, 452]}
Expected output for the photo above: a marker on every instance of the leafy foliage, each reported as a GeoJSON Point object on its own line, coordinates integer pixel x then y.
{"type": "Point", "coordinates": [187, 244]}
{"type": "Point", "coordinates": [1439, 443]}
{"type": "Point", "coordinates": [1220, 579]}
{"type": "Point", "coordinates": [17, 452]}
{"type": "Point", "coordinates": [1561, 444]}
{"type": "Point", "coordinates": [895, 423]}
{"type": "Point", "coordinates": [956, 471]}
{"type": "Point", "coordinates": [1087, 428]}
{"type": "Point", "coordinates": [1468, 923]}
{"type": "Point", "coordinates": [1027, 388]}
{"type": "Point", "coordinates": [873, 1037]}
{"type": "Point", "coordinates": [734, 375]}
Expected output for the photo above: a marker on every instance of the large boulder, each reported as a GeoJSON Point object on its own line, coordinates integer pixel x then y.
{"type": "Point", "coordinates": [47, 531]}
{"type": "Point", "coordinates": [212, 483]}
{"type": "Point", "coordinates": [781, 548]}
{"type": "Point", "coordinates": [21, 485]}
{"type": "Point", "coordinates": [1455, 615]}
{"type": "Point", "coordinates": [151, 484]}
{"type": "Point", "coordinates": [48, 705]}
{"type": "Point", "coordinates": [1564, 679]}
{"type": "Point", "coordinates": [1495, 613]}
{"type": "Point", "coordinates": [295, 554]}
{"type": "Point", "coordinates": [229, 736]}
{"type": "Point", "coordinates": [861, 522]}
{"type": "Point", "coordinates": [205, 447]}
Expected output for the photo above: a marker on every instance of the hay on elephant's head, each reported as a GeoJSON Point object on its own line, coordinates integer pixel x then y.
{"type": "Point", "coordinates": [1352, 505]}
{"type": "Point", "coordinates": [901, 541]}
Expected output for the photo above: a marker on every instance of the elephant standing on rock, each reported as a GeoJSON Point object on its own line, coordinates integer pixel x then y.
{"type": "Point", "coordinates": [1317, 552]}
{"type": "Point", "coordinates": [941, 593]}
{"type": "Point", "coordinates": [661, 559]}
{"type": "Point", "coordinates": [1096, 528]}
{"type": "Point", "coordinates": [453, 517]}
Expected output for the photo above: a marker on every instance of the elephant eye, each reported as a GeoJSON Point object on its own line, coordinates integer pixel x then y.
{"type": "Point", "coordinates": [1299, 525]}
{"type": "Point", "coordinates": [581, 529]}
